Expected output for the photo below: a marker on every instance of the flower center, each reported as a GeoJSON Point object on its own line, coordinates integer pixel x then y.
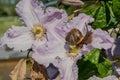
{"type": "Point", "coordinates": [73, 51]}
{"type": "Point", "coordinates": [38, 31]}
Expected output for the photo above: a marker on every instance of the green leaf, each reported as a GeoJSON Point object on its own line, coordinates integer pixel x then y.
{"type": "Point", "coordinates": [70, 9]}
{"type": "Point", "coordinates": [86, 69]}
{"type": "Point", "coordinates": [94, 63]}
{"type": "Point", "coordinates": [91, 9]}
{"type": "Point", "coordinates": [107, 12]}
{"type": "Point", "coordinates": [100, 18]}
{"type": "Point", "coordinates": [116, 8]}
{"type": "Point", "coordinates": [93, 56]}
{"type": "Point", "coordinates": [98, 12]}
{"type": "Point", "coordinates": [102, 14]}
{"type": "Point", "coordinates": [104, 68]}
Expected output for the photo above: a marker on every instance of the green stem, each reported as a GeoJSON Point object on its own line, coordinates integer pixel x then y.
{"type": "Point", "coordinates": [28, 53]}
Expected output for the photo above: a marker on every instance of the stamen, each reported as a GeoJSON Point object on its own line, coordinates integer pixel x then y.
{"type": "Point", "coordinates": [38, 31]}
{"type": "Point", "coordinates": [73, 51]}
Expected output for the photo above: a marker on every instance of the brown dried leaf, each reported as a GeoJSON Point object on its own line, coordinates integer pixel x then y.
{"type": "Point", "coordinates": [19, 72]}
{"type": "Point", "coordinates": [38, 71]}
{"type": "Point", "coordinates": [73, 2]}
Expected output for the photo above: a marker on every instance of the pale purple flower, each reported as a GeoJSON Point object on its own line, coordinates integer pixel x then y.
{"type": "Point", "coordinates": [56, 51]}
{"type": "Point", "coordinates": [102, 39]}
{"type": "Point", "coordinates": [39, 23]}
{"type": "Point", "coordinates": [114, 56]}
{"type": "Point", "coordinates": [113, 77]}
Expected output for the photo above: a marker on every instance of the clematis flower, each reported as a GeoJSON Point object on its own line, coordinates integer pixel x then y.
{"type": "Point", "coordinates": [39, 23]}
{"type": "Point", "coordinates": [113, 77]}
{"type": "Point", "coordinates": [64, 51]}
{"type": "Point", "coordinates": [114, 56]}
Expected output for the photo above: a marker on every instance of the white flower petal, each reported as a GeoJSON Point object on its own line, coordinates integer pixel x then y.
{"type": "Point", "coordinates": [101, 39]}
{"type": "Point", "coordinates": [31, 11]}
{"type": "Point", "coordinates": [106, 78]}
{"type": "Point", "coordinates": [55, 18]}
{"type": "Point", "coordinates": [18, 38]}
{"type": "Point", "coordinates": [45, 59]}
{"type": "Point", "coordinates": [67, 68]}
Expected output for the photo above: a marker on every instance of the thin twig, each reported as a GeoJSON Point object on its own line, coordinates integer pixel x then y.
{"type": "Point", "coordinates": [116, 23]}
{"type": "Point", "coordinates": [115, 27]}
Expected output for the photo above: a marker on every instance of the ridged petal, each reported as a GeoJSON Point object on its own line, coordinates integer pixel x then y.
{"type": "Point", "coordinates": [102, 40]}
{"type": "Point", "coordinates": [31, 11]}
{"type": "Point", "coordinates": [18, 38]}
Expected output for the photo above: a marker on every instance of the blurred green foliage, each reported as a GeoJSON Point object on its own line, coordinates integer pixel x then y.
{"type": "Point", "coordinates": [7, 8]}
{"type": "Point", "coordinates": [1, 78]}
{"type": "Point", "coordinates": [7, 22]}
